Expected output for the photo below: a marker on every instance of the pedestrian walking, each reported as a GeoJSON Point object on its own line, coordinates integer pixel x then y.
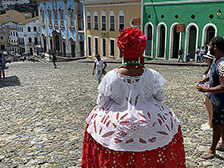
{"type": "Point", "coordinates": [54, 59]}
{"type": "Point", "coordinates": [180, 55]}
{"type": "Point", "coordinates": [2, 66]}
{"type": "Point", "coordinates": [198, 54]}
{"type": "Point", "coordinates": [100, 65]}
{"type": "Point", "coordinates": [216, 88]}
{"type": "Point", "coordinates": [208, 58]}
{"type": "Point", "coordinates": [130, 127]}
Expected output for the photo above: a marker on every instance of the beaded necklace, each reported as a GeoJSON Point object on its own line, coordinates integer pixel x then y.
{"type": "Point", "coordinates": [128, 64]}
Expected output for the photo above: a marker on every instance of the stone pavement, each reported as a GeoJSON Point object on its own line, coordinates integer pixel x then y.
{"type": "Point", "coordinates": [43, 112]}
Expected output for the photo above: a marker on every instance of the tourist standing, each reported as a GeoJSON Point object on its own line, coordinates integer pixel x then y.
{"type": "Point", "coordinates": [180, 55]}
{"type": "Point", "coordinates": [198, 54]}
{"type": "Point", "coordinates": [216, 88]}
{"type": "Point", "coordinates": [208, 58]}
{"type": "Point", "coordinates": [202, 52]}
{"type": "Point", "coordinates": [2, 66]}
{"type": "Point", "coordinates": [100, 65]}
{"type": "Point", "coordinates": [130, 127]}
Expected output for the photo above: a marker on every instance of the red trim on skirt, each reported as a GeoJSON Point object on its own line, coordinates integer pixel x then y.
{"type": "Point", "coordinates": [95, 155]}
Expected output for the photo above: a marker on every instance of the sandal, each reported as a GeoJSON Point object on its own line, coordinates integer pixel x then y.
{"type": "Point", "coordinates": [207, 155]}
{"type": "Point", "coordinates": [220, 147]}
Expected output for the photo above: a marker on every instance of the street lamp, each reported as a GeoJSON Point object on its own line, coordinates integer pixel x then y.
{"type": "Point", "coordinates": [219, 13]}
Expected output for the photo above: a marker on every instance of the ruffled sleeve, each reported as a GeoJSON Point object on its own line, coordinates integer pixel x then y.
{"type": "Point", "coordinates": [158, 83]}
{"type": "Point", "coordinates": [104, 87]}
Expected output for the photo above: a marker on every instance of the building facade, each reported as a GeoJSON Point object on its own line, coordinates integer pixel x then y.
{"type": "Point", "coordinates": [28, 35]}
{"type": "Point", "coordinates": [14, 16]}
{"type": "Point", "coordinates": [174, 24]}
{"type": "Point", "coordinates": [61, 27]}
{"type": "Point", "coordinates": [13, 40]}
{"type": "Point", "coordinates": [104, 20]}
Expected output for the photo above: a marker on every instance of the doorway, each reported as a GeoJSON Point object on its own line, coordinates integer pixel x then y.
{"type": "Point", "coordinates": [149, 42]}
{"type": "Point", "coordinates": [162, 39]}
{"type": "Point", "coordinates": [192, 42]}
{"type": "Point", "coordinates": [175, 43]}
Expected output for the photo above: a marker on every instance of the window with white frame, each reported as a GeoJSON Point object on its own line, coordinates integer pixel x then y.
{"type": "Point", "coordinates": [104, 47]}
{"type": "Point", "coordinates": [55, 18]}
{"type": "Point", "coordinates": [42, 16]}
{"type": "Point", "coordinates": [49, 17]}
{"type": "Point", "coordinates": [89, 46]}
{"type": "Point", "coordinates": [112, 47]}
{"type": "Point", "coordinates": [88, 20]}
{"type": "Point", "coordinates": [61, 17]}
{"type": "Point", "coordinates": [96, 42]}
{"type": "Point", "coordinates": [71, 18]}
{"type": "Point", "coordinates": [95, 20]}
{"type": "Point", "coordinates": [121, 21]}
{"type": "Point", "coordinates": [103, 20]}
{"type": "Point", "coordinates": [112, 21]}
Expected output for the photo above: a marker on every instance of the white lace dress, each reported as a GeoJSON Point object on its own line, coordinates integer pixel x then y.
{"type": "Point", "coordinates": [129, 115]}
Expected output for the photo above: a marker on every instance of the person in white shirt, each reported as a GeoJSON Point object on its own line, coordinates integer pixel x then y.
{"type": "Point", "coordinates": [100, 65]}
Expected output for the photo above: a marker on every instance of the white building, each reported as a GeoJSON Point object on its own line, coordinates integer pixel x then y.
{"type": "Point", "coordinates": [28, 35]}
{"type": "Point", "coordinates": [13, 40]}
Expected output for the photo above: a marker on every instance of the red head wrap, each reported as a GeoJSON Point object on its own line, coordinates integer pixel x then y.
{"type": "Point", "coordinates": [132, 43]}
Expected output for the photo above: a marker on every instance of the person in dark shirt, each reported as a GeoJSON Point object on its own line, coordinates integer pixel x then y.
{"type": "Point", "coordinates": [216, 88]}
{"type": "Point", "coordinates": [2, 66]}
{"type": "Point", "coordinates": [54, 59]}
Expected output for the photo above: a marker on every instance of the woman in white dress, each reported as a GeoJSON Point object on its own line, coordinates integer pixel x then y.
{"type": "Point", "coordinates": [130, 127]}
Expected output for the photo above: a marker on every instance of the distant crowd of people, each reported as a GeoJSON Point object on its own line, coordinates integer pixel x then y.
{"type": "Point", "coordinates": [199, 54]}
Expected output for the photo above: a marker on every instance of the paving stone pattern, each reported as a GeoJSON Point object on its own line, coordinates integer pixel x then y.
{"type": "Point", "coordinates": [43, 112]}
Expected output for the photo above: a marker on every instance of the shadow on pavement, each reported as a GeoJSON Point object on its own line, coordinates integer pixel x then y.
{"type": "Point", "coordinates": [10, 81]}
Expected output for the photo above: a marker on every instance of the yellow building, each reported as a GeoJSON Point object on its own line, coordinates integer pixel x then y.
{"type": "Point", "coordinates": [14, 16]}
{"type": "Point", "coordinates": [104, 20]}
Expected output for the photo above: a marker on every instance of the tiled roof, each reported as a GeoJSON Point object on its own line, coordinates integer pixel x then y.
{"type": "Point", "coordinates": [28, 20]}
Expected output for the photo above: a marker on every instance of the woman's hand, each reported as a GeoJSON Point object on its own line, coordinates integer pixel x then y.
{"type": "Point", "coordinates": [202, 88]}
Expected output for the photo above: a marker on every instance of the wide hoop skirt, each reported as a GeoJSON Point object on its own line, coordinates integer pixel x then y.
{"type": "Point", "coordinates": [94, 155]}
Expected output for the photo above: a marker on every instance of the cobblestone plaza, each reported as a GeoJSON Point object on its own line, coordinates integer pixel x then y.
{"type": "Point", "coordinates": [43, 112]}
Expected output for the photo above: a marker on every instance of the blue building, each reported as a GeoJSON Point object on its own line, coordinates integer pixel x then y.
{"type": "Point", "coordinates": [62, 28]}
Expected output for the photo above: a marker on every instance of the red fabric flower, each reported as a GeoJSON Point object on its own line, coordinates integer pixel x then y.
{"type": "Point", "coordinates": [132, 43]}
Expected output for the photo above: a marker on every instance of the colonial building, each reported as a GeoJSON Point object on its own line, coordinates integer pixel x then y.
{"type": "Point", "coordinates": [104, 20]}
{"type": "Point", "coordinates": [13, 40]}
{"type": "Point", "coordinates": [174, 24]}
{"type": "Point", "coordinates": [28, 35]}
{"type": "Point", "coordinates": [61, 27]}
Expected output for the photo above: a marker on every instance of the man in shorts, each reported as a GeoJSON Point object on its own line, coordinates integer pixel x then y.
{"type": "Point", "coordinates": [216, 82]}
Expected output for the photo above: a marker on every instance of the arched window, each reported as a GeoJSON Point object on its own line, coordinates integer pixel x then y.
{"type": "Point", "coordinates": [49, 17]}
{"type": "Point", "coordinates": [88, 20]}
{"type": "Point", "coordinates": [121, 21]}
{"type": "Point", "coordinates": [112, 21]}
{"type": "Point", "coordinates": [35, 29]}
{"type": "Point", "coordinates": [30, 40]}
{"type": "Point", "coordinates": [103, 20]}
{"type": "Point", "coordinates": [29, 29]}
{"type": "Point", "coordinates": [95, 20]}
